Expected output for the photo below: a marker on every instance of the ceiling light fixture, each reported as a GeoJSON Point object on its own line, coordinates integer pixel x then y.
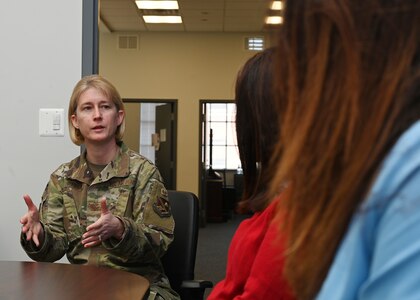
{"type": "Point", "coordinates": [276, 5]}
{"type": "Point", "coordinates": [273, 20]}
{"type": "Point", "coordinates": [162, 19]}
{"type": "Point", "coordinates": [157, 4]}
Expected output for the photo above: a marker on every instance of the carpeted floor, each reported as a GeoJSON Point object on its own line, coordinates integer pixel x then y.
{"type": "Point", "coordinates": [212, 248]}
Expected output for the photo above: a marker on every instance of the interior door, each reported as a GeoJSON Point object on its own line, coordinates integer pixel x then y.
{"type": "Point", "coordinates": [164, 155]}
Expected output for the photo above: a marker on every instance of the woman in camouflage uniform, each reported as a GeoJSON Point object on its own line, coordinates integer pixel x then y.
{"type": "Point", "coordinates": [108, 207]}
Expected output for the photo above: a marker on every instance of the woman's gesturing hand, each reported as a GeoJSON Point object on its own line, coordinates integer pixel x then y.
{"type": "Point", "coordinates": [31, 226]}
{"type": "Point", "coordinates": [105, 227]}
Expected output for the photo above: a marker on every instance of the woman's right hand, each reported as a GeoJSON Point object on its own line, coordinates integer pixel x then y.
{"type": "Point", "coordinates": [31, 226]}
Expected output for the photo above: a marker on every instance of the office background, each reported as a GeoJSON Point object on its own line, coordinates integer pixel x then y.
{"type": "Point", "coordinates": [188, 67]}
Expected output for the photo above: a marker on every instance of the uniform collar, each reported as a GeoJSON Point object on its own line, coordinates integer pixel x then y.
{"type": "Point", "coordinates": [119, 167]}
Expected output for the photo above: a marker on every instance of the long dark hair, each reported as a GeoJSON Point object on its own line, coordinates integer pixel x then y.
{"type": "Point", "coordinates": [351, 87]}
{"type": "Point", "coordinates": [256, 127]}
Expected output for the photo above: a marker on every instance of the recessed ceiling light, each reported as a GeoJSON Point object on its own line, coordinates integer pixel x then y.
{"type": "Point", "coordinates": [276, 5]}
{"type": "Point", "coordinates": [163, 19]}
{"type": "Point", "coordinates": [141, 4]}
{"type": "Point", "coordinates": [273, 20]}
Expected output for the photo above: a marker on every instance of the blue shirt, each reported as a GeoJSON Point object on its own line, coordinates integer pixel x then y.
{"type": "Point", "coordinates": [379, 257]}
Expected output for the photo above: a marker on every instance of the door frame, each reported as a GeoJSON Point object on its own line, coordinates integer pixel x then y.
{"type": "Point", "coordinates": [201, 154]}
{"type": "Point", "coordinates": [174, 102]}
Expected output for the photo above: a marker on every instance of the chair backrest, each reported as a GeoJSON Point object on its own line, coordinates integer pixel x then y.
{"type": "Point", "coordinates": [179, 260]}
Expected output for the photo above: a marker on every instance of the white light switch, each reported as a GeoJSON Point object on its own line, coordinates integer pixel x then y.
{"type": "Point", "coordinates": [51, 122]}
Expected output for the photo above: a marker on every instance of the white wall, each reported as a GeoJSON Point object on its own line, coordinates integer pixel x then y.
{"type": "Point", "coordinates": [40, 62]}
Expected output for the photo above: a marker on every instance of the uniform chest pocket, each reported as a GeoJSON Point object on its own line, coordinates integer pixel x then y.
{"type": "Point", "coordinates": [118, 201]}
{"type": "Point", "coordinates": [71, 221]}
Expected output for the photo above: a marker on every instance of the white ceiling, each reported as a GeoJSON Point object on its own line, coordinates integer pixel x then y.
{"type": "Point", "coordinates": [197, 16]}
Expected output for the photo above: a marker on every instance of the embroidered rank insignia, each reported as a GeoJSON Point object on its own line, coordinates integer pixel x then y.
{"type": "Point", "coordinates": [161, 207]}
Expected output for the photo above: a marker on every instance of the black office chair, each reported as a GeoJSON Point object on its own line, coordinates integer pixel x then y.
{"type": "Point", "coordinates": [179, 260]}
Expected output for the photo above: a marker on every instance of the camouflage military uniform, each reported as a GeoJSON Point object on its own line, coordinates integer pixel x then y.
{"type": "Point", "coordinates": [134, 192]}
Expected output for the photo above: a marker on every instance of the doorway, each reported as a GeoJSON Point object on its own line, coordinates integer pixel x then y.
{"type": "Point", "coordinates": [151, 131]}
{"type": "Point", "coordinates": [220, 166]}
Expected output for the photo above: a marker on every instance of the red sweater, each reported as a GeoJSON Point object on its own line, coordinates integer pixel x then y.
{"type": "Point", "coordinates": [255, 261]}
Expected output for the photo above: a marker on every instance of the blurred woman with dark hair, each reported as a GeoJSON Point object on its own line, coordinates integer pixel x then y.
{"type": "Point", "coordinates": [255, 264]}
{"type": "Point", "coordinates": [350, 147]}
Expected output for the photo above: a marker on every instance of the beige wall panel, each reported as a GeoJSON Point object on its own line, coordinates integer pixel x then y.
{"type": "Point", "coordinates": [184, 66]}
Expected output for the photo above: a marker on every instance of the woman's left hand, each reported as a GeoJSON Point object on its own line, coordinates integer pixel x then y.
{"type": "Point", "coordinates": [105, 227]}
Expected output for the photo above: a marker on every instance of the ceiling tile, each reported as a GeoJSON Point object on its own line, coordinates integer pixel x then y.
{"type": "Point", "coordinates": [198, 15]}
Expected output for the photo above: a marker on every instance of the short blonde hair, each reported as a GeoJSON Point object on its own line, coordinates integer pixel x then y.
{"type": "Point", "coordinates": [107, 89]}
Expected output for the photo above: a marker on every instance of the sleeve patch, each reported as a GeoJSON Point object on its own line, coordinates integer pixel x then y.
{"type": "Point", "coordinates": [161, 207]}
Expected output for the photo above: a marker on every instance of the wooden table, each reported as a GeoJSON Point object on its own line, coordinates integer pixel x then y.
{"type": "Point", "coordinates": [55, 281]}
